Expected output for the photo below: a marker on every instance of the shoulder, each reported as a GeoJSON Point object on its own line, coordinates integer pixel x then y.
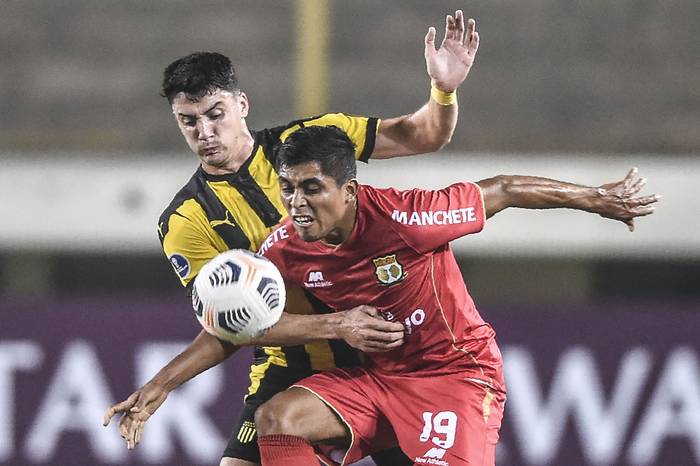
{"type": "Point", "coordinates": [279, 241]}
{"type": "Point", "coordinates": [186, 193]}
{"type": "Point", "coordinates": [383, 198]}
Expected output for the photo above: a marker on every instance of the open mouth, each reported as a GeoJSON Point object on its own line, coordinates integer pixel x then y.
{"type": "Point", "coordinates": [302, 220]}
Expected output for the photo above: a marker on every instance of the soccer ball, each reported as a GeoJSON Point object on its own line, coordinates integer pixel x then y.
{"type": "Point", "coordinates": [238, 296]}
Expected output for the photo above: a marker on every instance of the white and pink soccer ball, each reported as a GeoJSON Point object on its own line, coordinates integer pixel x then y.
{"type": "Point", "coordinates": [238, 296]}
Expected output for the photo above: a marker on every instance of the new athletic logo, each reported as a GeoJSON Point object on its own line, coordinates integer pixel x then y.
{"type": "Point", "coordinates": [388, 269]}
{"type": "Point", "coordinates": [316, 280]}
{"type": "Point", "coordinates": [444, 424]}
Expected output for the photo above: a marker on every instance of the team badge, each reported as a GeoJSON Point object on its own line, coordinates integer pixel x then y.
{"type": "Point", "coordinates": [180, 264]}
{"type": "Point", "coordinates": [388, 270]}
{"type": "Point", "coordinates": [246, 432]}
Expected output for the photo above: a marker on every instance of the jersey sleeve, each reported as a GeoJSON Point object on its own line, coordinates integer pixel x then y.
{"type": "Point", "coordinates": [428, 219]}
{"type": "Point", "coordinates": [361, 130]}
{"type": "Point", "coordinates": [186, 247]}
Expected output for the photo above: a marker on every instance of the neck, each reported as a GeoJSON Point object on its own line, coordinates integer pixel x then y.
{"type": "Point", "coordinates": [344, 228]}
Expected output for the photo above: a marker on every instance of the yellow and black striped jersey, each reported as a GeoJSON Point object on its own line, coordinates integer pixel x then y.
{"type": "Point", "coordinates": [214, 213]}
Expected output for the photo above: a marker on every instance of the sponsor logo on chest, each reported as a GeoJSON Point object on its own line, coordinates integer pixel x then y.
{"type": "Point", "coordinates": [316, 279]}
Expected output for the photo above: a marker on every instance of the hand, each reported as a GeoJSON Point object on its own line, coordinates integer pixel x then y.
{"type": "Point", "coordinates": [449, 66]}
{"type": "Point", "coordinates": [363, 328]}
{"type": "Point", "coordinates": [617, 200]}
{"type": "Point", "coordinates": [136, 410]}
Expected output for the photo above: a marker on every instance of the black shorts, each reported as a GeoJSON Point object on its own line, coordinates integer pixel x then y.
{"type": "Point", "coordinates": [243, 443]}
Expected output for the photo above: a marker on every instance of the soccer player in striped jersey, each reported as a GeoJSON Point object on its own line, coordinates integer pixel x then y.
{"type": "Point", "coordinates": [233, 201]}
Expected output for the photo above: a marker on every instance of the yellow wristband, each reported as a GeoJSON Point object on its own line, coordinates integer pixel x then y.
{"type": "Point", "coordinates": [442, 97]}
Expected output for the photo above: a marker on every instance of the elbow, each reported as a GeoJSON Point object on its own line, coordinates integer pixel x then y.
{"type": "Point", "coordinates": [435, 144]}
{"type": "Point", "coordinates": [439, 142]}
{"type": "Point", "coordinates": [498, 193]}
{"type": "Point", "coordinates": [502, 186]}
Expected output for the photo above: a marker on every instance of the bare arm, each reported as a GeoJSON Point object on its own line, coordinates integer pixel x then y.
{"type": "Point", "coordinates": [430, 128]}
{"type": "Point", "coordinates": [616, 200]}
{"type": "Point", "coordinates": [361, 327]}
{"type": "Point", "coordinates": [204, 352]}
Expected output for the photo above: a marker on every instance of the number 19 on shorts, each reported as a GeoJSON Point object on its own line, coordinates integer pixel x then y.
{"type": "Point", "coordinates": [444, 424]}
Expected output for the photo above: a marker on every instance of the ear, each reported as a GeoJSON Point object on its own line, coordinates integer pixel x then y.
{"type": "Point", "coordinates": [351, 188]}
{"type": "Point", "coordinates": [243, 104]}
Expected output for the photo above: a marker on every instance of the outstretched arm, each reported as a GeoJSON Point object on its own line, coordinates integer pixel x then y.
{"type": "Point", "coordinates": [617, 200]}
{"type": "Point", "coordinates": [361, 327]}
{"type": "Point", "coordinates": [430, 128]}
{"type": "Point", "coordinates": [204, 352]}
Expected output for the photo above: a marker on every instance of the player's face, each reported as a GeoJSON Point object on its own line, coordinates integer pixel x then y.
{"type": "Point", "coordinates": [214, 127]}
{"type": "Point", "coordinates": [318, 207]}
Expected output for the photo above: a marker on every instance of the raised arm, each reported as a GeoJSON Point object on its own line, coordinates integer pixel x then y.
{"type": "Point", "coordinates": [617, 200]}
{"type": "Point", "coordinates": [430, 127]}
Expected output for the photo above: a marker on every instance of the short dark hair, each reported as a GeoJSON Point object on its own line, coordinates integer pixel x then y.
{"type": "Point", "coordinates": [329, 146]}
{"type": "Point", "coordinates": [197, 75]}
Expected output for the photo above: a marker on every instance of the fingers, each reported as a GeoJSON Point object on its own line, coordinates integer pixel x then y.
{"type": "Point", "coordinates": [471, 29]}
{"type": "Point", "coordinates": [637, 186]}
{"type": "Point", "coordinates": [642, 211]}
{"type": "Point", "coordinates": [459, 26]}
{"type": "Point", "coordinates": [381, 325]}
{"type": "Point", "coordinates": [643, 201]}
{"type": "Point", "coordinates": [139, 433]}
{"type": "Point", "coordinates": [372, 347]}
{"type": "Point", "coordinates": [369, 310]}
{"type": "Point", "coordinates": [473, 41]}
{"type": "Point", "coordinates": [380, 341]}
{"type": "Point", "coordinates": [430, 41]}
{"type": "Point", "coordinates": [630, 177]}
{"type": "Point", "coordinates": [386, 337]}
{"type": "Point", "coordinates": [131, 430]}
{"type": "Point", "coordinates": [124, 426]}
{"type": "Point", "coordinates": [455, 28]}
{"type": "Point", "coordinates": [132, 434]}
{"type": "Point", "coordinates": [450, 29]}
{"type": "Point", "coordinates": [120, 408]}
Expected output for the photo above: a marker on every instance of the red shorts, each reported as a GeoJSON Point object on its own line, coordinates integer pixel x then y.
{"type": "Point", "coordinates": [446, 420]}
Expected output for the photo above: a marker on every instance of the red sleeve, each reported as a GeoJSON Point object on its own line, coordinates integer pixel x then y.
{"type": "Point", "coordinates": [427, 220]}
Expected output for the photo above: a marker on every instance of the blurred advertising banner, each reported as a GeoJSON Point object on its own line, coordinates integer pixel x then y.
{"type": "Point", "coordinates": [604, 385]}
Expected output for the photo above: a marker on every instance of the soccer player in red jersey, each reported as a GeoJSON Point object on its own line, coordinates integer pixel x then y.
{"type": "Point", "coordinates": [440, 396]}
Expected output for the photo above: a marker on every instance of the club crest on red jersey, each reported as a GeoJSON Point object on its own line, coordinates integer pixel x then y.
{"type": "Point", "coordinates": [388, 270]}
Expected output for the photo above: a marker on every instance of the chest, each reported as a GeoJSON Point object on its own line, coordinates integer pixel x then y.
{"type": "Point", "coordinates": [385, 275]}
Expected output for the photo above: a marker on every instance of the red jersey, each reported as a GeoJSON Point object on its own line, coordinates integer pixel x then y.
{"type": "Point", "coordinates": [398, 259]}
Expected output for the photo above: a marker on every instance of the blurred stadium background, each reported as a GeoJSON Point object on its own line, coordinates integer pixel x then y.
{"type": "Point", "coordinates": [600, 328]}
